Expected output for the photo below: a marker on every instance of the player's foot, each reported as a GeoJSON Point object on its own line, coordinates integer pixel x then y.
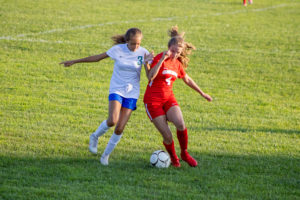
{"type": "Point", "coordinates": [250, 2]}
{"type": "Point", "coordinates": [175, 161]}
{"type": "Point", "coordinates": [93, 144]}
{"type": "Point", "coordinates": [245, 4]}
{"type": "Point", "coordinates": [189, 159]}
{"type": "Point", "coordinates": [104, 159]}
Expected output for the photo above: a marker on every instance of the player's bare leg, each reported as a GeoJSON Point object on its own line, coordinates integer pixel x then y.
{"type": "Point", "coordinates": [162, 126]}
{"type": "Point", "coordinates": [114, 110]}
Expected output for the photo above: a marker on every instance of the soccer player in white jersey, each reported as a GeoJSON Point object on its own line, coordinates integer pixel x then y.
{"type": "Point", "coordinates": [124, 89]}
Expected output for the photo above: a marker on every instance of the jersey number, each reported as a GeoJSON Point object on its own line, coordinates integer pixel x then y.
{"type": "Point", "coordinates": [168, 80]}
{"type": "Point", "coordinates": [140, 58]}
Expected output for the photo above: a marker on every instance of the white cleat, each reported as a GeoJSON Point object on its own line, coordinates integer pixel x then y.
{"type": "Point", "coordinates": [93, 144]}
{"type": "Point", "coordinates": [104, 159]}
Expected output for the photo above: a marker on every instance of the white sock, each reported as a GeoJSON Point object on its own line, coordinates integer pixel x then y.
{"type": "Point", "coordinates": [112, 143]}
{"type": "Point", "coordinates": [103, 128]}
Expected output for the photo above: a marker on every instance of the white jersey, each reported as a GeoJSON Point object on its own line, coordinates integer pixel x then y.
{"type": "Point", "coordinates": [125, 80]}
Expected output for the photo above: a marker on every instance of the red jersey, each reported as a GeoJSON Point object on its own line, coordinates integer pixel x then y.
{"type": "Point", "coordinates": [160, 89]}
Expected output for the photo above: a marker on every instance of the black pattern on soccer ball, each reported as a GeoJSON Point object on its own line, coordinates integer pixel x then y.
{"type": "Point", "coordinates": [160, 159]}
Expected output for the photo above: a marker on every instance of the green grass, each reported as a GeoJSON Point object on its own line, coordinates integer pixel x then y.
{"type": "Point", "coordinates": [246, 141]}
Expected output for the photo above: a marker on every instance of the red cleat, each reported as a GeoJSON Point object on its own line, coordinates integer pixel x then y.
{"type": "Point", "coordinates": [189, 159]}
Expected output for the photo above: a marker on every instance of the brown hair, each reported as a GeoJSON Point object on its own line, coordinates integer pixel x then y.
{"type": "Point", "coordinates": [122, 39]}
{"type": "Point", "coordinates": [178, 39]}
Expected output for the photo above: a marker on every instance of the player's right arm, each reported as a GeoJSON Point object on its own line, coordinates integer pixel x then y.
{"type": "Point", "coordinates": [154, 71]}
{"type": "Point", "coordinates": [95, 58]}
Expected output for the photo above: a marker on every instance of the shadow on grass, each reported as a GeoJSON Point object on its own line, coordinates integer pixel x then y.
{"type": "Point", "coordinates": [131, 177]}
{"type": "Point", "coordinates": [248, 130]}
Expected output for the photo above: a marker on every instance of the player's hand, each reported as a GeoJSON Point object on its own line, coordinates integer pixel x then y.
{"type": "Point", "coordinates": [67, 63]}
{"type": "Point", "coordinates": [207, 97]}
{"type": "Point", "coordinates": [148, 57]}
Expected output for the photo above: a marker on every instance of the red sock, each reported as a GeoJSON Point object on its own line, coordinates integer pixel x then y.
{"type": "Point", "coordinates": [183, 141]}
{"type": "Point", "coordinates": [171, 150]}
{"type": "Point", "coordinates": [245, 2]}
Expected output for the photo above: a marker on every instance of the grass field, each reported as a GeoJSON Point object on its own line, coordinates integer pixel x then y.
{"type": "Point", "coordinates": [247, 141]}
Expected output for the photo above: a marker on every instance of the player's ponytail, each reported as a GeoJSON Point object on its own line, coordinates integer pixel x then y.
{"type": "Point", "coordinates": [173, 32]}
{"type": "Point", "coordinates": [118, 39]}
{"type": "Point", "coordinates": [178, 39]}
{"type": "Point", "coordinates": [122, 39]}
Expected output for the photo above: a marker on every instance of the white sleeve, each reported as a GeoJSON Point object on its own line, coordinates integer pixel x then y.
{"type": "Point", "coordinates": [112, 52]}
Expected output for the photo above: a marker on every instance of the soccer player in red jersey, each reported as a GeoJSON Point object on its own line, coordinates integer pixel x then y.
{"type": "Point", "coordinates": [245, 2]}
{"type": "Point", "coordinates": [160, 103]}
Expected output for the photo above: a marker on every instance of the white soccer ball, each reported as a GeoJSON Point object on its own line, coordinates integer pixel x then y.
{"type": "Point", "coordinates": [160, 159]}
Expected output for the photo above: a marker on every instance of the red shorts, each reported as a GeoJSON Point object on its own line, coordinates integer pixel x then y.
{"type": "Point", "coordinates": [155, 109]}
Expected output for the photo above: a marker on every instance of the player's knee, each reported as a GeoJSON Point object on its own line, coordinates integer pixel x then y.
{"type": "Point", "coordinates": [111, 122]}
{"type": "Point", "coordinates": [180, 126]}
{"type": "Point", "coordinates": [119, 130]}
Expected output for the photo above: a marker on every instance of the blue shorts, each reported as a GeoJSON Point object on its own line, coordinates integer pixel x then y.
{"type": "Point", "coordinates": [129, 103]}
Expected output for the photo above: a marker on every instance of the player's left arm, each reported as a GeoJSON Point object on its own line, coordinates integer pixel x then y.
{"type": "Point", "coordinates": [191, 83]}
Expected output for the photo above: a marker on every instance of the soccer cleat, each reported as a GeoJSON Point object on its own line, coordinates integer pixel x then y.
{"type": "Point", "coordinates": [93, 144]}
{"type": "Point", "coordinates": [104, 159]}
{"type": "Point", "coordinates": [189, 159]}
